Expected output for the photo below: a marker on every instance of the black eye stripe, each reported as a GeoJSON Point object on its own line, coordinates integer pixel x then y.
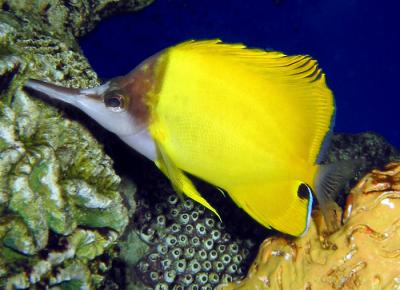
{"type": "Point", "coordinates": [303, 191]}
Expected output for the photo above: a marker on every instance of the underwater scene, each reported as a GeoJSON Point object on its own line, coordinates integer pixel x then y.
{"type": "Point", "coordinates": [180, 144]}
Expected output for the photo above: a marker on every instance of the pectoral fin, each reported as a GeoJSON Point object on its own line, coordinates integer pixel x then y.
{"type": "Point", "coordinates": [285, 206]}
{"type": "Point", "coordinates": [180, 182]}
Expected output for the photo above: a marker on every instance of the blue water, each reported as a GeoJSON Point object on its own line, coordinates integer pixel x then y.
{"type": "Point", "coordinates": [355, 41]}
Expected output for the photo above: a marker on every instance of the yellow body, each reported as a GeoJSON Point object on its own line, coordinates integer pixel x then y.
{"type": "Point", "coordinates": [248, 121]}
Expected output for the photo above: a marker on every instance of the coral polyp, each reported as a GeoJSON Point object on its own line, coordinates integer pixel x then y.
{"type": "Point", "coordinates": [189, 247]}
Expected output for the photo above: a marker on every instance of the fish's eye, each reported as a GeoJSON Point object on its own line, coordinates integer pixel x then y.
{"type": "Point", "coordinates": [114, 101]}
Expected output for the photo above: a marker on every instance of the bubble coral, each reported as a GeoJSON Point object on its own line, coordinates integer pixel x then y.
{"type": "Point", "coordinates": [363, 254]}
{"type": "Point", "coordinates": [189, 247]}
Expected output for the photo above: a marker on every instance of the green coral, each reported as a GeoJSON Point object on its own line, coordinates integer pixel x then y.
{"type": "Point", "coordinates": [61, 212]}
{"type": "Point", "coordinates": [56, 184]}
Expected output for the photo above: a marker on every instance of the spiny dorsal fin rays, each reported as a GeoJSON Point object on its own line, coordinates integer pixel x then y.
{"type": "Point", "coordinates": [295, 65]}
{"type": "Point", "coordinates": [180, 182]}
{"type": "Point", "coordinates": [311, 70]}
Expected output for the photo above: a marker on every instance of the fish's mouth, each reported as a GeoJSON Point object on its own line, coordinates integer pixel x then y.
{"type": "Point", "coordinates": [75, 97]}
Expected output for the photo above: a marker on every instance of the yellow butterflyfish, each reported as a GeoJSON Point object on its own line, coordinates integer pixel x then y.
{"type": "Point", "coordinates": [249, 121]}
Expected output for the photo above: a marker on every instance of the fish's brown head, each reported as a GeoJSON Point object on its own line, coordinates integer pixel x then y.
{"type": "Point", "coordinates": [121, 105]}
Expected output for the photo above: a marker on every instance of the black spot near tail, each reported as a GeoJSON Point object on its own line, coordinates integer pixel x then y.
{"type": "Point", "coordinates": [304, 191]}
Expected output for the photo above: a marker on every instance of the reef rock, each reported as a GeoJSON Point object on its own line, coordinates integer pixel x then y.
{"type": "Point", "coordinates": [61, 210]}
{"type": "Point", "coordinates": [371, 149]}
{"type": "Point", "coordinates": [363, 254]}
{"type": "Point", "coordinates": [369, 146]}
{"type": "Point", "coordinates": [73, 17]}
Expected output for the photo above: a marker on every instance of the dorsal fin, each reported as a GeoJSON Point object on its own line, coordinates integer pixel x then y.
{"type": "Point", "coordinates": [297, 77]}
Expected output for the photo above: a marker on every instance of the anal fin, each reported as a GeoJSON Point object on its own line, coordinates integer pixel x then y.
{"type": "Point", "coordinates": [277, 205]}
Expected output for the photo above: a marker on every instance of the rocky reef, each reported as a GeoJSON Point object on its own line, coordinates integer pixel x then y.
{"type": "Point", "coordinates": [59, 201]}
{"type": "Point", "coordinates": [66, 221]}
{"type": "Point", "coordinates": [61, 211]}
{"type": "Point", "coordinates": [363, 254]}
{"type": "Point", "coordinates": [68, 19]}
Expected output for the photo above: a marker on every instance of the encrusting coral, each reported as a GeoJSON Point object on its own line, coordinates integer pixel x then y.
{"type": "Point", "coordinates": [59, 200]}
{"type": "Point", "coordinates": [363, 254]}
{"type": "Point", "coordinates": [60, 207]}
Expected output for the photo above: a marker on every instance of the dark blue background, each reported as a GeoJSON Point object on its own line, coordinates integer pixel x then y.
{"type": "Point", "coordinates": [355, 41]}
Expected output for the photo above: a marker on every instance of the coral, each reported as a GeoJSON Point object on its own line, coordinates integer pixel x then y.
{"type": "Point", "coordinates": [61, 212]}
{"type": "Point", "coordinates": [60, 207]}
{"type": "Point", "coordinates": [190, 247]}
{"type": "Point", "coordinates": [59, 199]}
{"type": "Point", "coordinates": [187, 245]}
{"type": "Point", "coordinates": [368, 149]}
{"type": "Point", "coordinates": [157, 219]}
{"type": "Point", "coordinates": [363, 254]}
{"type": "Point", "coordinates": [68, 17]}
{"type": "Point", "coordinates": [372, 148]}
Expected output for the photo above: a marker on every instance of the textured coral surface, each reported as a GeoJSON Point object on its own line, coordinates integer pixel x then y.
{"type": "Point", "coordinates": [363, 254]}
{"type": "Point", "coordinates": [74, 17]}
{"type": "Point", "coordinates": [193, 250]}
{"type": "Point", "coordinates": [188, 247]}
{"type": "Point", "coordinates": [59, 200]}
{"type": "Point", "coordinates": [60, 207]}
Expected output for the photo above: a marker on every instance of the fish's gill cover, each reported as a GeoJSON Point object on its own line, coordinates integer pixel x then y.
{"type": "Point", "coordinates": [60, 207]}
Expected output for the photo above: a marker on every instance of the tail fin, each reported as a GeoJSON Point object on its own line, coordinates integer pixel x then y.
{"type": "Point", "coordinates": [329, 181]}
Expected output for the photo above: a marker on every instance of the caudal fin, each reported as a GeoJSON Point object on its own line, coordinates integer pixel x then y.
{"type": "Point", "coordinates": [329, 181]}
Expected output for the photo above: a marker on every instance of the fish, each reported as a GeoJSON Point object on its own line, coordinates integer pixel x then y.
{"type": "Point", "coordinates": [252, 122]}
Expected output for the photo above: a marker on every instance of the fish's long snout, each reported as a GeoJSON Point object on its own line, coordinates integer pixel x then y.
{"type": "Point", "coordinates": [92, 101]}
{"type": "Point", "coordinates": [68, 95]}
